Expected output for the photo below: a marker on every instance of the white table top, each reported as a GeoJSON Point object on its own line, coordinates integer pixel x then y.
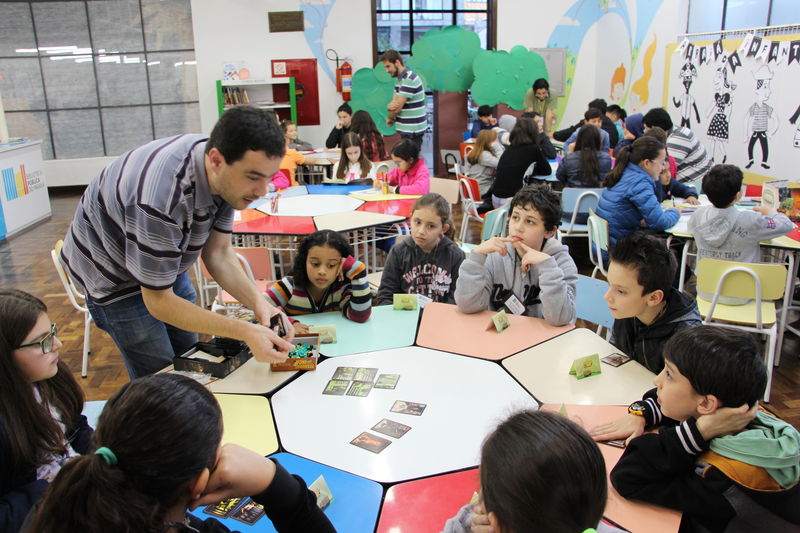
{"type": "Point", "coordinates": [466, 398]}
{"type": "Point", "coordinates": [544, 371]}
{"type": "Point", "coordinates": [251, 378]}
{"type": "Point", "coordinates": [354, 220]}
{"type": "Point", "coordinates": [310, 205]}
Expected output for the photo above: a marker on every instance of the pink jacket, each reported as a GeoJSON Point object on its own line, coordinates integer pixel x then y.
{"type": "Point", "coordinates": [416, 181]}
{"type": "Point", "coordinates": [280, 180]}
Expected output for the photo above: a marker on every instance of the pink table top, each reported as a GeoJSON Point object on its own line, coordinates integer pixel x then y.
{"type": "Point", "coordinates": [390, 207]}
{"type": "Point", "coordinates": [445, 328]}
{"type": "Point", "coordinates": [276, 225]}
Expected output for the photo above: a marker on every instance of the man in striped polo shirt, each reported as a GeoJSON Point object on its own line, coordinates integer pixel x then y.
{"type": "Point", "coordinates": [144, 220]}
{"type": "Point", "coordinates": [407, 109]}
{"type": "Point", "coordinates": [683, 145]}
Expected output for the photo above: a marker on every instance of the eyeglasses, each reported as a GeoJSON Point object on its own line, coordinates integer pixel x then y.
{"type": "Point", "coordinates": [47, 341]}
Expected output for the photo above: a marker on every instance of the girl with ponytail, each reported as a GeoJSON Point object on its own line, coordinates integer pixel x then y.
{"type": "Point", "coordinates": [587, 164]}
{"type": "Point", "coordinates": [629, 202]}
{"type": "Point", "coordinates": [156, 453]}
{"type": "Point", "coordinates": [41, 425]}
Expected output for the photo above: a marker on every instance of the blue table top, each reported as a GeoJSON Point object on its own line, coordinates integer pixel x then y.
{"type": "Point", "coordinates": [335, 188]}
{"type": "Point", "coordinates": [356, 500]}
{"type": "Point", "coordinates": [385, 329]}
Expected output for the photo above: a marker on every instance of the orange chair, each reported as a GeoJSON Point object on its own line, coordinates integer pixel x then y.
{"type": "Point", "coordinates": [470, 200]}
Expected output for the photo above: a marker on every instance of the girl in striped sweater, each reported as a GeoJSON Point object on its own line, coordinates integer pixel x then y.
{"type": "Point", "coordinates": [325, 277]}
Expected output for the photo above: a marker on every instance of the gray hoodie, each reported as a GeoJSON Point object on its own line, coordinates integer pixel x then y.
{"type": "Point", "coordinates": [733, 234]}
{"type": "Point", "coordinates": [547, 289]}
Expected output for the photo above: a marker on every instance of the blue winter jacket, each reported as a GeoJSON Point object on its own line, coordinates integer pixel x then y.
{"type": "Point", "coordinates": [631, 199]}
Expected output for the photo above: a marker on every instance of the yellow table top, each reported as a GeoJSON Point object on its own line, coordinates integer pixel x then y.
{"type": "Point", "coordinates": [248, 422]}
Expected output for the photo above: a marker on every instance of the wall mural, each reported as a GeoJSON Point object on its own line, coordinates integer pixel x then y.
{"type": "Point", "coordinates": [723, 91]}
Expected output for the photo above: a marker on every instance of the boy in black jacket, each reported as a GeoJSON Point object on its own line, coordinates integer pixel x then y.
{"type": "Point", "coordinates": [726, 465]}
{"type": "Point", "coordinates": [646, 308]}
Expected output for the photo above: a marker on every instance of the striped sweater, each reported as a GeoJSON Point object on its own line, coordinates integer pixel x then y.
{"type": "Point", "coordinates": [351, 296]}
{"type": "Point", "coordinates": [689, 153]}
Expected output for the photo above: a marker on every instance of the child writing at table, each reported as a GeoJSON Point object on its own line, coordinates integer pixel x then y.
{"type": "Point", "coordinates": [539, 472]}
{"type": "Point", "coordinates": [354, 167]}
{"type": "Point", "coordinates": [717, 458]}
{"type": "Point", "coordinates": [410, 176]}
{"type": "Point", "coordinates": [325, 277]}
{"type": "Point", "coordinates": [527, 273]}
{"type": "Point", "coordinates": [41, 426]}
{"type": "Point", "coordinates": [647, 310]}
{"type": "Point", "coordinates": [427, 263]}
{"type": "Point", "coordinates": [722, 231]}
{"type": "Point", "coordinates": [158, 452]}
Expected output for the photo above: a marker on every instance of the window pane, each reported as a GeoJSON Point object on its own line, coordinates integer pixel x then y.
{"type": "Point", "coordinates": [116, 26]}
{"type": "Point", "coordinates": [126, 128]}
{"type": "Point", "coordinates": [69, 81]}
{"type": "Point", "coordinates": [61, 24]}
{"type": "Point", "coordinates": [76, 133]}
{"type": "Point", "coordinates": [433, 4]}
{"type": "Point", "coordinates": [746, 14]}
{"type": "Point", "coordinates": [122, 80]}
{"type": "Point", "coordinates": [176, 119]}
{"type": "Point", "coordinates": [393, 31]}
{"type": "Point", "coordinates": [784, 12]}
{"type": "Point", "coordinates": [168, 24]}
{"type": "Point", "coordinates": [173, 77]}
{"type": "Point", "coordinates": [21, 84]}
{"type": "Point", "coordinates": [392, 4]}
{"type": "Point", "coordinates": [472, 4]}
{"type": "Point", "coordinates": [16, 29]}
{"type": "Point", "coordinates": [31, 125]}
{"type": "Point", "coordinates": [476, 22]}
{"type": "Point", "coordinates": [705, 15]}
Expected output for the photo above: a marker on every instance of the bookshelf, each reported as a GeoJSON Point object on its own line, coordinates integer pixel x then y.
{"type": "Point", "coordinates": [277, 94]}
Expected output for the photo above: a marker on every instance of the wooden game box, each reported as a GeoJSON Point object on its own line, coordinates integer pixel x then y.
{"type": "Point", "coordinates": [218, 357]}
{"type": "Point", "coordinates": [303, 357]}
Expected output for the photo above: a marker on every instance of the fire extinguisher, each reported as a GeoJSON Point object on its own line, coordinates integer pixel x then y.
{"type": "Point", "coordinates": [344, 80]}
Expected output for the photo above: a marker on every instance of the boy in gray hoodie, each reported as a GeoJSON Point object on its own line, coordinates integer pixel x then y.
{"type": "Point", "coordinates": [722, 231]}
{"type": "Point", "coordinates": [527, 273]}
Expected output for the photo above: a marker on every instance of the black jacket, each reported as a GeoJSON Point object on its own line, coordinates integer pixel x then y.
{"type": "Point", "coordinates": [335, 137]}
{"type": "Point", "coordinates": [645, 343]}
{"type": "Point", "coordinates": [512, 166]}
{"type": "Point", "coordinates": [19, 495]}
{"type": "Point", "coordinates": [671, 468]}
{"type": "Point", "coordinates": [608, 126]}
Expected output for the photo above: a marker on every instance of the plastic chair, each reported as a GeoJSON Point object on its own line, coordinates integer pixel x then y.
{"type": "Point", "coordinates": [446, 187]}
{"type": "Point", "coordinates": [761, 283]}
{"type": "Point", "coordinates": [495, 222]}
{"type": "Point", "coordinates": [470, 200]}
{"type": "Point", "coordinates": [257, 265]}
{"type": "Point", "coordinates": [451, 160]}
{"type": "Point", "coordinates": [578, 202]}
{"type": "Point", "coordinates": [590, 304]}
{"type": "Point", "coordinates": [74, 296]}
{"type": "Point", "coordinates": [598, 241]}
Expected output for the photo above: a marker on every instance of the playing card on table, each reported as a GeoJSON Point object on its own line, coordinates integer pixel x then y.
{"type": "Point", "coordinates": [615, 359]}
{"type": "Point", "coordinates": [249, 513]}
{"type": "Point", "coordinates": [370, 442]}
{"type": "Point", "coordinates": [336, 387]}
{"type": "Point", "coordinates": [360, 388]}
{"type": "Point", "coordinates": [387, 381]}
{"type": "Point", "coordinates": [408, 408]}
{"type": "Point", "coordinates": [224, 508]}
{"type": "Point", "coordinates": [345, 372]}
{"type": "Point", "coordinates": [365, 374]}
{"type": "Point", "coordinates": [391, 428]}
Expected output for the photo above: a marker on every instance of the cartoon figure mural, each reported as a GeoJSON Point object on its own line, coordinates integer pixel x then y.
{"type": "Point", "coordinates": [761, 119]}
{"type": "Point", "coordinates": [618, 83]}
{"type": "Point", "coordinates": [640, 90]}
{"type": "Point", "coordinates": [719, 127]}
{"type": "Point", "coordinates": [686, 101]}
{"type": "Point", "coordinates": [793, 120]}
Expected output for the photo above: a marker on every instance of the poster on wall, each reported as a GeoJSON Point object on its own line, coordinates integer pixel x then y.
{"type": "Point", "coordinates": [738, 97]}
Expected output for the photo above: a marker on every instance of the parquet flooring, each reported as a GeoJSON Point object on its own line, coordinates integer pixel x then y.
{"type": "Point", "coordinates": [25, 264]}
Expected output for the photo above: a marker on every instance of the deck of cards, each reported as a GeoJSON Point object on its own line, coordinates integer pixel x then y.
{"type": "Point", "coordinates": [615, 359]}
{"type": "Point", "coordinates": [499, 322]}
{"type": "Point", "coordinates": [583, 367]}
{"type": "Point", "coordinates": [327, 333]}
{"type": "Point", "coordinates": [322, 492]}
{"type": "Point", "coordinates": [406, 302]}
{"type": "Point", "coordinates": [303, 357]}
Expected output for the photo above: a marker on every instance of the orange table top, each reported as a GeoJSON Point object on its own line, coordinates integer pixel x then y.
{"type": "Point", "coordinates": [445, 328]}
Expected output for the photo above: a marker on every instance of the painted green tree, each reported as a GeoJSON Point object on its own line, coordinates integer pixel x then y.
{"type": "Point", "coordinates": [505, 77]}
{"type": "Point", "coordinates": [372, 90]}
{"type": "Point", "coordinates": [444, 57]}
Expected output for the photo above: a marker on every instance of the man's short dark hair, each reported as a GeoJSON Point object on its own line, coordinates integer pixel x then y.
{"type": "Point", "coordinates": [346, 108]}
{"type": "Point", "coordinates": [391, 56]}
{"type": "Point", "coordinates": [484, 111]}
{"type": "Point", "coordinates": [658, 116]}
{"type": "Point", "coordinates": [544, 200]}
{"type": "Point", "coordinates": [617, 110]}
{"type": "Point", "coordinates": [650, 257]}
{"type": "Point", "coordinates": [721, 361]}
{"type": "Point", "coordinates": [591, 113]}
{"type": "Point", "coordinates": [722, 183]}
{"type": "Point", "coordinates": [599, 103]}
{"type": "Point", "coordinates": [540, 83]}
{"type": "Point", "coordinates": [244, 128]}
{"type": "Point", "coordinates": [530, 114]}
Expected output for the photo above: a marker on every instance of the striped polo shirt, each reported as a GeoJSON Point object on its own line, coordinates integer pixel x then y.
{"type": "Point", "coordinates": [413, 117]}
{"type": "Point", "coordinates": [144, 220]}
{"type": "Point", "coordinates": [761, 114]}
{"type": "Point", "coordinates": [689, 153]}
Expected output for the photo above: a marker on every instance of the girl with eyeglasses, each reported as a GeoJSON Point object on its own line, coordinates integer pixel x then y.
{"type": "Point", "coordinates": [41, 425]}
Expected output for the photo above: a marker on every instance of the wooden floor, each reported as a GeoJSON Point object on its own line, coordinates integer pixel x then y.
{"type": "Point", "coordinates": [25, 264]}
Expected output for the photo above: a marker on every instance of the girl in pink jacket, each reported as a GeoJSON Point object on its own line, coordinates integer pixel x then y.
{"type": "Point", "coordinates": [411, 175]}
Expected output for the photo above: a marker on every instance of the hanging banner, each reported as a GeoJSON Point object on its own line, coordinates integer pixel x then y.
{"type": "Point", "coordinates": [794, 52]}
{"type": "Point", "coordinates": [745, 46]}
{"type": "Point", "coordinates": [763, 52]}
{"type": "Point", "coordinates": [783, 53]}
{"type": "Point", "coordinates": [703, 54]}
{"type": "Point", "coordinates": [734, 61]}
{"type": "Point", "coordinates": [682, 48]}
{"type": "Point", "coordinates": [774, 47]}
{"type": "Point", "coordinates": [755, 45]}
{"type": "Point", "coordinates": [689, 51]}
{"type": "Point", "coordinates": [717, 49]}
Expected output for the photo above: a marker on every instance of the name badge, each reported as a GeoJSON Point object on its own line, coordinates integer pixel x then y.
{"type": "Point", "coordinates": [514, 305]}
